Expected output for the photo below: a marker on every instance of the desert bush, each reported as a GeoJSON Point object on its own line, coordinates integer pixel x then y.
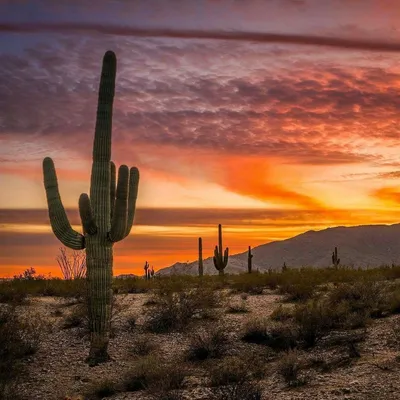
{"type": "Point", "coordinates": [290, 367]}
{"type": "Point", "coordinates": [314, 320]}
{"type": "Point", "coordinates": [297, 291]}
{"type": "Point", "coordinates": [237, 308]}
{"type": "Point", "coordinates": [282, 314]}
{"type": "Point", "coordinates": [11, 295]}
{"type": "Point", "coordinates": [143, 346]}
{"type": "Point", "coordinates": [131, 322]}
{"type": "Point", "coordinates": [241, 391]}
{"type": "Point", "coordinates": [278, 336]}
{"type": "Point", "coordinates": [175, 310]}
{"type": "Point", "coordinates": [211, 343]}
{"type": "Point", "coordinates": [101, 390]}
{"type": "Point", "coordinates": [364, 296]}
{"type": "Point", "coordinates": [155, 374]}
{"type": "Point", "coordinates": [228, 371]}
{"type": "Point", "coordinates": [77, 318]}
{"type": "Point", "coordinates": [19, 339]}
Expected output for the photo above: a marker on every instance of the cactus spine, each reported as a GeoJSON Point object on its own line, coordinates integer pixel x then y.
{"type": "Point", "coordinates": [249, 260]}
{"type": "Point", "coordinates": [107, 215]}
{"type": "Point", "coordinates": [335, 259]}
{"type": "Point", "coordinates": [220, 260]}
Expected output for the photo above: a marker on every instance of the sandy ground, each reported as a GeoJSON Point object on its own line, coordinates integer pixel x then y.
{"type": "Point", "coordinates": [58, 369]}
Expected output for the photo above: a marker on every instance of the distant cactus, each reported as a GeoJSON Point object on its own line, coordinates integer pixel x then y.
{"type": "Point", "coordinates": [201, 269]}
{"type": "Point", "coordinates": [107, 215]}
{"type": "Point", "coordinates": [335, 259]}
{"type": "Point", "coordinates": [249, 261]}
{"type": "Point", "coordinates": [220, 260]}
{"type": "Point", "coordinates": [152, 272]}
{"type": "Point", "coordinates": [146, 268]}
{"type": "Point", "coordinates": [284, 268]}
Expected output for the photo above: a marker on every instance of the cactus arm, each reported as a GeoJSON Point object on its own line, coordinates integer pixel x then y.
{"type": "Point", "coordinates": [112, 188]}
{"type": "Point", "coordinates": [58, 217]}
{"type": "Point", "coordinates": [118, 224]}
{"type": "Point", "coordinates": [226, 255]}
{"type": "Point", "coordinates": [133, 192]}
{"type": "Point", "coordinates": [86, 213]}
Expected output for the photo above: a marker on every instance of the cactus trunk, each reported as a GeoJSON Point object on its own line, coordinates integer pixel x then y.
{"type": "Point", "coordinates": [107, 215]}
{"type": "Point", "coordinates": [249, 261]}
{"type": "Point", "coordinates": [201, 270]}
{"type": "Point", "coordinates": [220, 259]}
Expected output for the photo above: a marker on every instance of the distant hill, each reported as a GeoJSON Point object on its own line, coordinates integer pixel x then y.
{"type": "Point", "coordinates": [363, 246]}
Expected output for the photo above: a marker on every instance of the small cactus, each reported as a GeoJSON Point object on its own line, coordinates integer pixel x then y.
{"type": "Point", "coordinates": [201, 269]}
{"type": "Point", "coordinates": [152, 271]}
{"type": "Point", "coordinates": [220, 260]}
{"type": "Point", "coordinates": [249, 261]}
{"type": "Point", "coordinates": [284, 268]}
{"type": "Point", "coordinates": [335, 259]}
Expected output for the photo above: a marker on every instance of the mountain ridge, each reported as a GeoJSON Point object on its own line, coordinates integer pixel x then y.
{"type": "Point", "coordinates": [364, 246]}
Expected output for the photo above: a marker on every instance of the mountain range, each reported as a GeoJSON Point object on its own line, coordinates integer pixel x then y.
{"type": "Point", "coordinates": [363, 246]}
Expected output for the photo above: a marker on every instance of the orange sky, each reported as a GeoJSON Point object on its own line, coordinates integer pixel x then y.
{"type": "Point", "coordinates": [269, 140]}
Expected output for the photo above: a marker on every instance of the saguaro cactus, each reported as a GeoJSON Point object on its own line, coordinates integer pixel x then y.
{"type": "Point", "coordinates": [146, 268]}
{"type": "Point", "coordinates": [335, 259]}
{"type": "Point", "coordinates": [249, 261]}
{"type": "Point", "coordinates": [107, 215]}
{"type": "Point", "coordinates": [220, 260]}
{"type": "Point", "coordinates": [201, 270]}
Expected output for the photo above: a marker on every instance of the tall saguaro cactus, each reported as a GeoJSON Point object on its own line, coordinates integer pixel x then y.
{"type": "Point", "coordinates": [220, 260]}
{"type": "Point", "coordinates": [335, 259]}
{"type": "Point", "coordinates": [249, 261]}
{"type": "Point", "coordinates": [201, 269]}
{"type": "Point", "coordinates": [107, 215]}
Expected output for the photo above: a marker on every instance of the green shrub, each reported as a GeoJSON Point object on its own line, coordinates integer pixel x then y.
{"type": "Point", "coordinates": [19, 339]}
{"type": "Point", "coordinates": [207, 344]}
{"type": "Point", "coordinates": [278, 336]}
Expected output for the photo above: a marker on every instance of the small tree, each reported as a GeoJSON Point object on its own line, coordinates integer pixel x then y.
{"type": "Point", "coordinates": [74, 266]}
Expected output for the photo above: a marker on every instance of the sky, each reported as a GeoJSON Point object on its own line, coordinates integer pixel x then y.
{"type": "Point", "coordinates": [269, 139]}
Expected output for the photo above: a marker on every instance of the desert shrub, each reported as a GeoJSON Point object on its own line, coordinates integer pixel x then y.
{"type": "Point", "coordinates": [314, 320]}
{"type": "Point", "coordinates": [297, 291]}
{"type": "Point", "coordinates": [143, 346]}
{"type": "Point", "coordinates": [282, 314]}
{"type": "Point", "coordinates": [12, 295]}
{"type": "Point", "coordinates": [361, 297]}
{"type": "Point", "coordinates": [175, 310]}
{"type": "Point", "coordinates": [19, 338]}
{"type": "Point", "coordinates": [289, 367]}
{"type": "Point", "coordinates": [77, 318]}
{"type": "Point", "coordinates": [241, 391]}
{"type": "Point", "coordinates": [101, 390]}
{"type": "Point", "coordinates": [211, 343]}
{"type": "Point", "coordinates": [153, 373]}
{"type": "Point", "coordinates": [131, 322]}
{"type": "Point", "coordinates": [237, 308]}
{"type": "Point", "coordinates": [229, 370]}
{"type": "Point", "coordinates": [278, 336]}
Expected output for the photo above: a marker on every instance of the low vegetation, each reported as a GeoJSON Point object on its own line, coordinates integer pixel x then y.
{"type": "Point", "coordinates": [211, 335]}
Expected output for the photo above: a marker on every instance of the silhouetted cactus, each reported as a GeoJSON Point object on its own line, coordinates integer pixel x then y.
{"type": "Point", "coordinates": [146, 269]}
{"type": "Point", "coordinates": [152, 272]}
{"type": "Point", "coordinates": [284, 268]}
{"type": "Point", "coordinates": [335, 259]}
{"type": "Point", "coordinates": [201, 269]}
{"type": "Point", "coordinates": [107, 215]}
{"type": "Point", "coordinates": [249, 261]}
{"type": "Point", "coordinates": [220, 260]}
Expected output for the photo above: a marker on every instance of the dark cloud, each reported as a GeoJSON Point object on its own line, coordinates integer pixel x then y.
{"type": "Point", "coordinates": [164, 97]}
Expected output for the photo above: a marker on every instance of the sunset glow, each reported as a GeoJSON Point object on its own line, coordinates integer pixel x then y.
{"type": "Point", "coordinates": [270, 140]}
